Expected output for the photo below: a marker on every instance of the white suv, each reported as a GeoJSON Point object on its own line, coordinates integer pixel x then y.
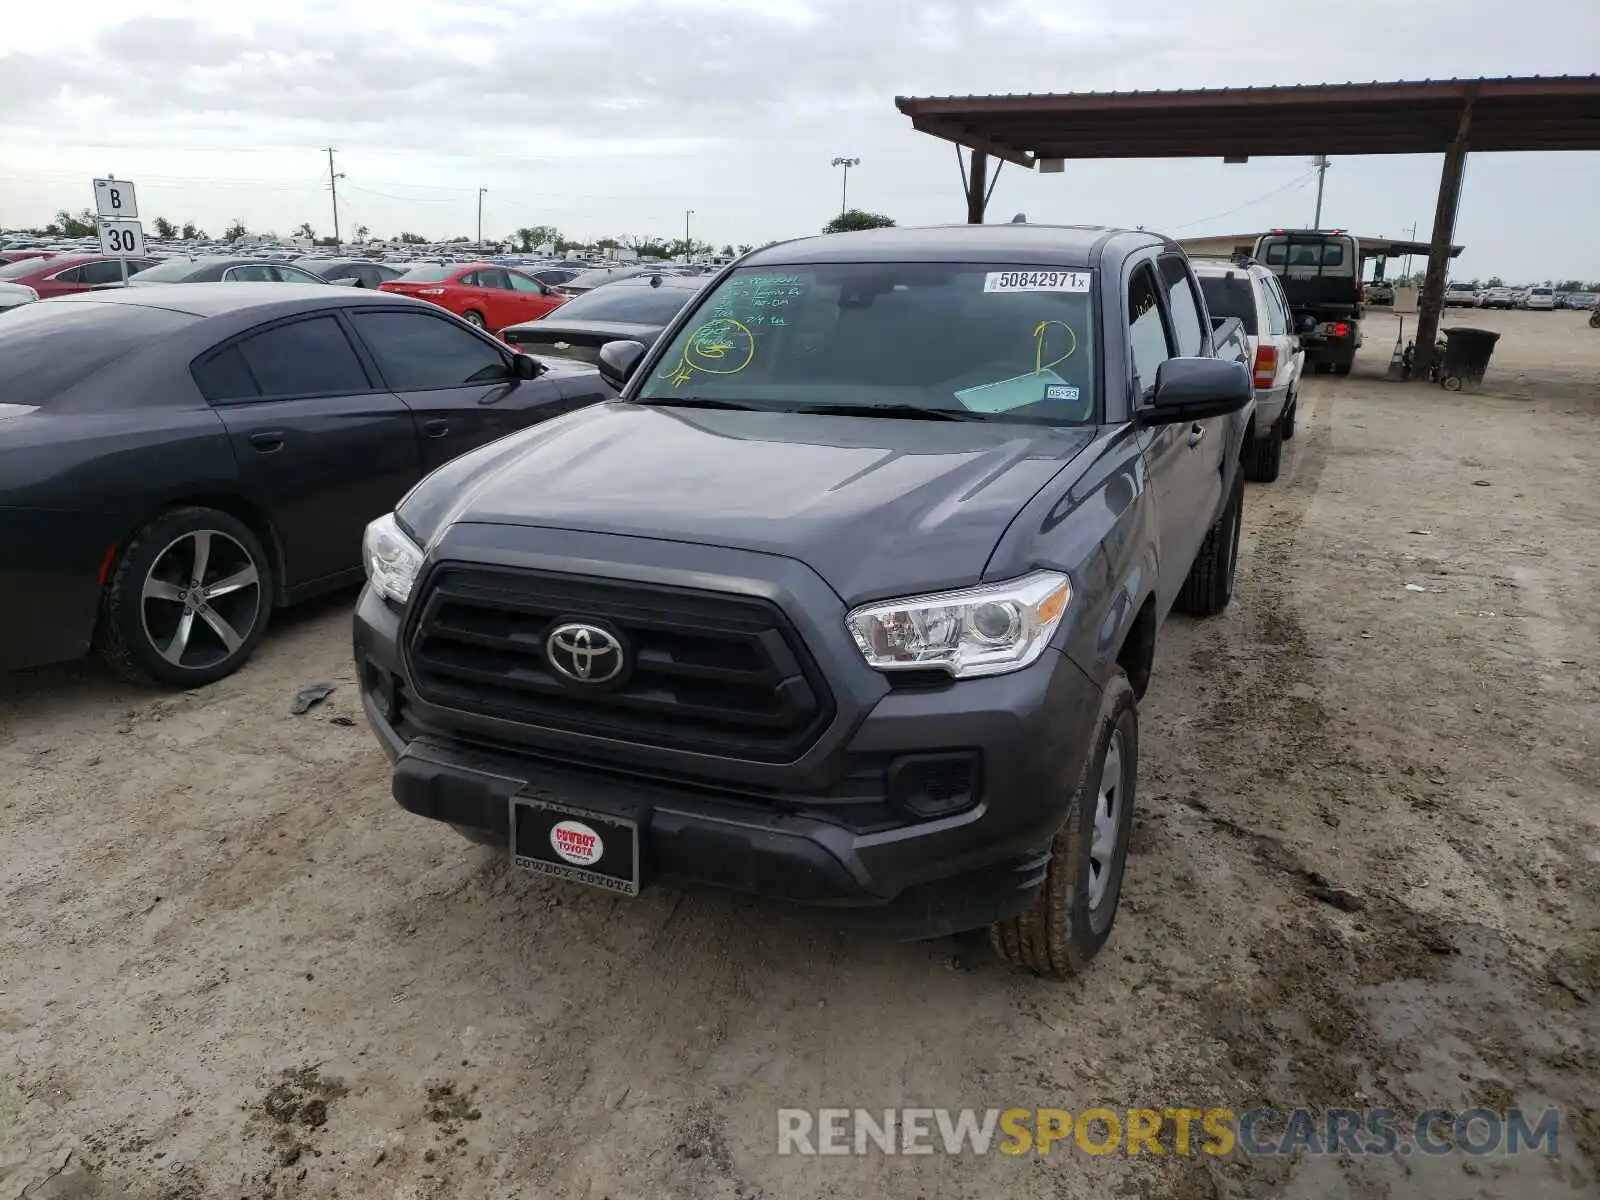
{"type": "Point", "coordinates": [1247, 290]}
{"type": "Point", "coordinates": [1540, 297]}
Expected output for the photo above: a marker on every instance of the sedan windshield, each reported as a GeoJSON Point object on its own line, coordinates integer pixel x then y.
{"type": "Point", "coordinates": [174, 270]}
{"type": "Point", "coordinates": [995, 342]}
{"type": "Point", "coordinates": [47, 348]}
{"type": "Point", "coordinates": [428, 273]}
{"type": "Point", "coordinates": [640, 304]}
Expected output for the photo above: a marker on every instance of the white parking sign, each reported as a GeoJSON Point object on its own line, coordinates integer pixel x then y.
{"type": "Point", "coordinates": [122, 239]}
{"type": "Point", "coordinates": [114, 199]}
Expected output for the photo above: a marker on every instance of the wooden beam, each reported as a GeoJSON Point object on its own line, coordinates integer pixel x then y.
{"type": "Point", "coordinates": [1444, 228]}
{"type": "Point", "coordinates": [977, 191]}
{"type": "Point", "coordinates": [962, 137]}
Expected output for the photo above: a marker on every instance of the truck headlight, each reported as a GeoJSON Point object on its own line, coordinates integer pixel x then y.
{"type": "Point", "coordinates": [985, 630]}
{"type": "Point", "coordinates": [391, 559]}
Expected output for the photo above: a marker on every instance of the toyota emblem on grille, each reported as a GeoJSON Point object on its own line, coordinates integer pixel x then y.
{"type": "Point", "coordinates": [584, 653]}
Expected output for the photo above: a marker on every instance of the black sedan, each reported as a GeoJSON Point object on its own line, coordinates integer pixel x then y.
{"type": "Point", "coordinates": [350, 272]}
{"type": "Point", "coordinates": [177, 461]}
{"type": "Point", "coordinates": [635, 309]}
{"type": "Point", "coordinates": [218, 268]}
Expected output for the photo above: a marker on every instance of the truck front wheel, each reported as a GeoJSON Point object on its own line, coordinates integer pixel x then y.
{"type": "Point", "coordinates": [1209, 587]}
{"type": "Point", "coordinates": [1071, 917]}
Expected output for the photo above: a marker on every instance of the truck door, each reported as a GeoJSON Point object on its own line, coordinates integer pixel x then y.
{"type": "Point", "coordinates": [1168, 453]}
{"type": "Point", "coordinates": [1190, 332]}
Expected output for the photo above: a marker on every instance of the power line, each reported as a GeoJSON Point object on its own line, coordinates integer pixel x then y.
{"type": "Point", "coordinates": [1247, 204]}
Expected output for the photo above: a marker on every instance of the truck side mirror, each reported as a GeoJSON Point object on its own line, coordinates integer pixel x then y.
{"type": "Point", "coordinates": [618, 361]}
{"type": "Point", "coordinates": [1192, 389]}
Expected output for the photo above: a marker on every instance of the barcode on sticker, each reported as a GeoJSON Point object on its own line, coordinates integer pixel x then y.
{"type": "Point", "coordinates": [1036, 281]}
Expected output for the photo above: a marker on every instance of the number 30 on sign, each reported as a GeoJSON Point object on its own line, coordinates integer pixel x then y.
{"type": "Point", "coordinates": [122, 239]}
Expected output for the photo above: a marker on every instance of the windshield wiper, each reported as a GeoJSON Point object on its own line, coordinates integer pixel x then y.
{"type": "Point", "coordinates": [701, 402]}
{"type": "Point", "coordinates": [904, 412]}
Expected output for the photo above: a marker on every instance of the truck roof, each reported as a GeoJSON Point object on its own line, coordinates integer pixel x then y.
{"type": "Point", "coordinates": [1020, 243]}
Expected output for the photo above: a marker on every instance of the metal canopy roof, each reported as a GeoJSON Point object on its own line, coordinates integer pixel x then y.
{"type": "Point", "coordinates": [1417, 117]}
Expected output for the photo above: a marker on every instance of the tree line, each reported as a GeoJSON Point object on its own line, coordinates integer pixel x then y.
{"type": "Point", "coordinates": [526, 239]}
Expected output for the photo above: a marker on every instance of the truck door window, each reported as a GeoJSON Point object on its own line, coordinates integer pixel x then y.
{"type": "Point", "coordinates": [1147, 332]}
{"type": "Point", "coordinates": [1182, 307]}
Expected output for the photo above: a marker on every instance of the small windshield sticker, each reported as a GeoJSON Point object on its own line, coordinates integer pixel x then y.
{"type": "Point", "coordinates": [1061, 391]}
{"type": "Point", "coordinates": [1036, 281]}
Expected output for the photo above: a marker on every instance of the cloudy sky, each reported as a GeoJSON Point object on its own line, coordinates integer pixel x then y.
{"type": "Point", "coordinates": [615, 116]}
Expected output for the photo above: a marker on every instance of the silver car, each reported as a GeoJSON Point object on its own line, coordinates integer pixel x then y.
{"type": "Point", "coordinates": [15, 295]}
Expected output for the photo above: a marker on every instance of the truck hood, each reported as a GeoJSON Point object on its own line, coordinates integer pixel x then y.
{"type": "Point", "coordinates": [877, 507]}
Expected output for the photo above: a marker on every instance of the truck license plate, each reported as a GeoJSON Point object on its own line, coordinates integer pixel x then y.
{"type": "Point", "coordinates": [599, 849]}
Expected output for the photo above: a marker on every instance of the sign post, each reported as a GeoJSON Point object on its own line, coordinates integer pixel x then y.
{"type": "Point", "coordinates": [121, 234]}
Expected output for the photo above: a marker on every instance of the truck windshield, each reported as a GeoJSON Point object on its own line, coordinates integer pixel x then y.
{"type": "Point", "coordinates": [1309, 254]}
{"type": "Point", "coordinates": [985, 341]}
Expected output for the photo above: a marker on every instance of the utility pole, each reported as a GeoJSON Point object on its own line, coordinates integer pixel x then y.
{"type": "Point", "coordinates": [333, 186]}
{"type": "Point", "coordinates": [844, 190]}
{"type": "Point", "coordinates": [688, 246]}
{"type": "Point", "coordinates": [481, 192]}
{"type": "Point", "coordinates": [1320, 162]}
{"type": "Point", "coordinates": [1413, 232]}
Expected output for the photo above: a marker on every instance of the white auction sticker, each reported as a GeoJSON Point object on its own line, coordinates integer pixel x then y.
{"type": "Point", "coordinates": [1036, 281]}
{"type": "Point", "coordinates": [577, 843]}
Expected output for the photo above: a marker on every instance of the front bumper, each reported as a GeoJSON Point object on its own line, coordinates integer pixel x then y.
{"type": "Point", "coordinates": [777, 829]}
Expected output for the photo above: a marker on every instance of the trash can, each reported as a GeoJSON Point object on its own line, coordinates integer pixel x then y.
{"type": "Point", "coordinates": [1466, 357]}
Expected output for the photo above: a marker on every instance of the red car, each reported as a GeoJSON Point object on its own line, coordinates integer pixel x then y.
{"type": "Point", "coordinates": [488, 296]}
{"type": "Point", "coordinates": [11, 256]}
{"type": "Point", "coordinates": [64, 274]}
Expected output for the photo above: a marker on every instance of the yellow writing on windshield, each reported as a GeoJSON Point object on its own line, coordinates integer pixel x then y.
{"type": "Point", "coordinates": [1041, 337]}
{"type": "Point", "coordinates": [722, 346]}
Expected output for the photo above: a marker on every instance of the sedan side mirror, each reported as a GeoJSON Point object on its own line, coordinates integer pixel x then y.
{"type": "Point", "coordinates": [1192, 389]}
{"type": "Point", "coordinates": [525, 366]}
{"type": "Point", "coordinates": [618, 360]}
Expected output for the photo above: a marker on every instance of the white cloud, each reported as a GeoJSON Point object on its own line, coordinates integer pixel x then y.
{"type": "Point", "coordinates": [616, 115]}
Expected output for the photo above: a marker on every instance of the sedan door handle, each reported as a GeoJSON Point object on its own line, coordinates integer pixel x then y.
{"type": "Point", "coordinates": [1197, 433]}
{"type": "Point", "coordinates": [267, 441]}
{"type": "Point", "coordinates": [436, 427]}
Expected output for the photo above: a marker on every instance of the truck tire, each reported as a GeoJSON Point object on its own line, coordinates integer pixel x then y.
{"type": "Point", "coordinates": [157, 625]}
{"type": "Point", "coordinates": [1071, 917]}
{"type": "Point", "coordinates": [1263, 457]}
{"type": "Point", "coordinates": [1209, 587]}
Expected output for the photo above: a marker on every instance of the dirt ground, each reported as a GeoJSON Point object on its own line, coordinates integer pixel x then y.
{"type": "Point", "coordinates": [230, 966]}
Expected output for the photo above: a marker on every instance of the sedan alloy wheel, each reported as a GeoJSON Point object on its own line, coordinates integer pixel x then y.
{"type": "Point", "coordinates": [201, 599]}
{"type": "Point", "coordinates": [189, 599]}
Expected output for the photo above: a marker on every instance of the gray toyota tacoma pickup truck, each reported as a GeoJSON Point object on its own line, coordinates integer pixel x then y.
{"type": "Point", "coordinates": [850, 597]}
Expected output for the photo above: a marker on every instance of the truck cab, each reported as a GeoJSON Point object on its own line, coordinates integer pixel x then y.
{"type": "Point", "coordinates": [1320, 271]}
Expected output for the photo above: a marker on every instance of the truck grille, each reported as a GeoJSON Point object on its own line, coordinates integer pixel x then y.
{"type": "Point", "coordinates": [710, 672]}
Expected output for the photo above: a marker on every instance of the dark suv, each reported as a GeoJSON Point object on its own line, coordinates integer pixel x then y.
{"type": "Point", "coordinates": [848, 600]}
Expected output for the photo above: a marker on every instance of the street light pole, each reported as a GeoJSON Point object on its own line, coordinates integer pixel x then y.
{"type": "Point", "coordinates": [688, 246]}
{"type": "Point", "coordinates": [481, 192]}
{"type": "Point", "coordinates": [844, 190]}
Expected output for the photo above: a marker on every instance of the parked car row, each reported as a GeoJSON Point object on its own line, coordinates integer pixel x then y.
{"type": "Point", "coordinates": [1539, 299]}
